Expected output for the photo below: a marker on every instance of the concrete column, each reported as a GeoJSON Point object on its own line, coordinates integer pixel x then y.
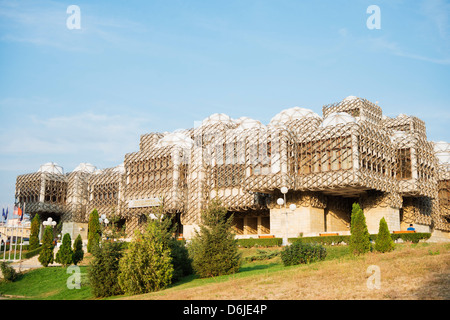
{"type": "Point", "coordinates": [374, 215]}
{"type": "Point", "coordinates": [189, 230]}
{"type": "Point", "coordinates": [306, 220]}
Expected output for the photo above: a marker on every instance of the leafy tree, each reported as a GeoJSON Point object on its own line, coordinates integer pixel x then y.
{"type": "Point", "coordinates": [64, 254]}
{"type": "Point", "coordinates": [34, 232]}
{"type": "Point", "coordinates": [94, 231]}
{"type": "Point", "coordinates": [384, 242]}
{"type": "Point", "coordinates": [147, 265]}
{"type": "Point", "coordinates": [78, 253]}
{"type": "Point", "coordinates": [214, 249]}
{"type": "Point", "coordinates": [46, 254]}
{"type": "Point", "coordinates": [360, 237]}
{"type": "Point", "coordinates": [103, 271]}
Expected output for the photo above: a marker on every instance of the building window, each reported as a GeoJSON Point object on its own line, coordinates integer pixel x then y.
{"type": "Point", "coordinates": [404, 170]}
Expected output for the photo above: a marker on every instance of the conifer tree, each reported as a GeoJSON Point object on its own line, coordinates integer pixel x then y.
{"type": "Point", "coordinates": [34, 232]}
{"type": "Point", "coordinates": [46, 254]}
{"type": "Point", "coordinates": [103, 271]}
{"type": "Point", "coordinates": [213, 249]}
{"type": "Point", "coordinates": [360, 237]}
{"type": "Point", "coordinates": [147, 265]}
{"type": "Point", "coordinates": [64, 254]}
{"type": "Point", "coordinates": [384, 242]}
{"type": "Point", "coordinates": [94, 231]}
{"type": "Point", "coordinates": [78, 253]}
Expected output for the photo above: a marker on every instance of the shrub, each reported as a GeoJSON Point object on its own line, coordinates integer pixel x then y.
{"type": "Point", "coordinates": [31, 253]}
{"type": "Point", "coordinates": [213, 249]}
{"type": "Point", "coordinates": [302, 253]}
{"type": "Point", "coordinates": [147, 265]}
{"type": "Point", "coordinates": [46, 254]}
{"type": "Point", "coordinates": [327, 240]}
{"type": "Point", "coordinates": [64, 254]}
{"type": "Point", "coordinates": [383, 242]}
{"type": "Point", "coordinates": [360, 238]}
{"type": "Point", "coordinates": [9, 273]}
{"type": "Point", "coordinates": [103, 271]}
{"type": "Point", "coordinates": [94, 231]}
{"type": "Point", "coordinates": [34, 232]}
{"type": "Point", "coordinates": [251, 242]}
{"type": "Point", "coordinates": [412, 237]}
{"type": "Point", "coordinates": [78, 253]}
{"type": "Point", "coordinates": [182, 263]}
{"type": "Point", "coordinates": [262, 255]}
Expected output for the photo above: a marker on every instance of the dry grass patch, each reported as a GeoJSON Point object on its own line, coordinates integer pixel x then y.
{"type": "Point", "coordinates": [410, 272]}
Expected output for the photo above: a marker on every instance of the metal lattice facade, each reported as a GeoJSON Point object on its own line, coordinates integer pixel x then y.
{"type": "Point", "coordinates": [352, 153]}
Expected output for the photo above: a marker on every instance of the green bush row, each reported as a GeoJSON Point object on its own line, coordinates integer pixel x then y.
{"type": "Point", "coordinates": [256, 242]}
{"type": "Point", "coordinates": [328, 240]}
{"type": "Point", "coordinates": [302, 253]}
{"type": "Point", "coordinates": [31, 253]}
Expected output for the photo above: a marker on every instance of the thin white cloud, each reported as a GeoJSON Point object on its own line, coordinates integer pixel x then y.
{"type": "Point", "coordinates": [106, 136]}
{"type": "Point", "coordinates": [393, 47]}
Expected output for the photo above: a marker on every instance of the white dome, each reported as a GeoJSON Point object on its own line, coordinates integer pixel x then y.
{"type": "Point", "coordinates": [336, 118]}
{"type": "Point", "coordinates": [442, 151]}
{"type": "Point", "coordinates": [239, 120]}
{"type": "Point", "coordinates": [175, 139]}
{"type": "Point", "coordinates": [441, 146]}
{"type": "Point", "coordinates": [217, 118]}
{"type": "Point", "coordinates": [85, 167]}
{"type": "Point", "coordinates": [292, 114]}
{"type": "Point", "coordinates": [248, 123]}
{"type": "Point", "coordinates": [51, 167]}
{"type": "Point", "coordinates": [120, 168]}
{"type": "Point", "coordinates": [350, 98]}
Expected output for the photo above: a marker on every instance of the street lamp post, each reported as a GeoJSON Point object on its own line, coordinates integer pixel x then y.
{"type": "Point", "coordinates": [49, 222]}
{"type": "Point", "coordinates": [292, 207]}
{"type": "Point", "coordinates": [103, 220]}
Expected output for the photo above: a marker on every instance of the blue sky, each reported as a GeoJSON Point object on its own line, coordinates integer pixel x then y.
{"type": "Point", "coordinates": [86, 95]}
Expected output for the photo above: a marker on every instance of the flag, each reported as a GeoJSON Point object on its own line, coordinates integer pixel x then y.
{"type": "Point", "coordinates": [3, 213]}
{"type": "Point", "coordinates": [6, 215]}
{"type": "Point", "coordinates": [17, 211]}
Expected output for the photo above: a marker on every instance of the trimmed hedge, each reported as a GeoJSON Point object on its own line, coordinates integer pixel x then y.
{"type": "Point", "coordinates": [302, 253]}
{"type": "Point", "coordinates": [267, 242]}
{"type": "Point", "coordinates": [413, 237]}
{"type": "Point", "coordinates": [328, 240]}
{"type": "Point", "coordinates": [31, 253]}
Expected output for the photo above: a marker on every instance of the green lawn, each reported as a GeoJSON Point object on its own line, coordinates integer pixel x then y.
{"type": "Point", "coordinates": [51, 283]}
{"type": "Point", "coordinates": [46, 283]}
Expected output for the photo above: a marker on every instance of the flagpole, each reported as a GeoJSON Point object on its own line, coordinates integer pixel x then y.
{"type": "Point", "coordinates": [9, 251]}
{"type": "Point", "coordinates": [21, 237]}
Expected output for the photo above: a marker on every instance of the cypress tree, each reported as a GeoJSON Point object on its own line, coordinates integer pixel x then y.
{"type": "Point", "coordinates": [384, 242]}
{"type": "Point", "coordinates": [94, 231]}
{"type": "Point", "coordinates": [78, 253]}
{"type": "Point", "coordinates": [46, 254]}
{"type": "Point", "coordinates": [214, 249]}
{"type": "Point", "coordinates": [34, 232]}
{"type": "Point", "coordinates": [360, 237]}
{"type": "Point", "coordinates": [64, 254]}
